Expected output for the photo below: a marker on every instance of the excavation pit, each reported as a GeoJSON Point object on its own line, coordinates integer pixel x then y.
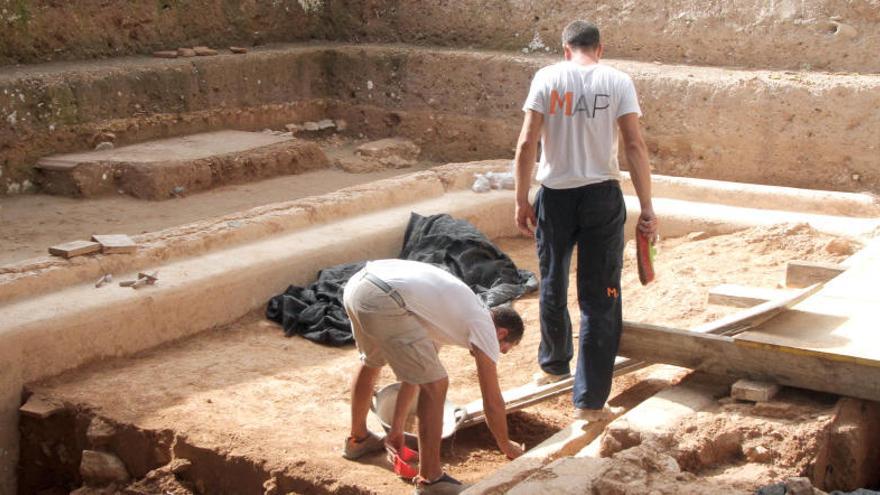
{"type": "Point", "coordinates": [183, 387]}
{"type": "Point", "coordinates": [253, 412]}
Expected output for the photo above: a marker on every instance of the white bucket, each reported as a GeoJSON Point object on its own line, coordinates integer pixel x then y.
{"type": "Point", "coordinates": [385, 399]}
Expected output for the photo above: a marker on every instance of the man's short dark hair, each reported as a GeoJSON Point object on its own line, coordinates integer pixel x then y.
{"type": "Point", "coordinates": [581, 34]}
{"type": "Point", "coordinates": [507, 317]}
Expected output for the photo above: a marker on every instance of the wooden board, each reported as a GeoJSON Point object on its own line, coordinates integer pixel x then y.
{"type": "Point", "coordinates": [741, 296]}
{"type": "Point", "coordinates": [75, 248]}
{"type": "Point", "coordinates": [115, 243]}
{"type": "Point", "coordinates": [805, 273]}
{"type": "Point", "coordinates": [516, 399]}
{"type": "Point", "coordinates": [528, 394]}
{"type": "Point", "coordinates": [786, 365]}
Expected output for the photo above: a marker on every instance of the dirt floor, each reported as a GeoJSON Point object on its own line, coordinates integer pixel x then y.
{"type": "Point", "coordinates": [246, 394]}
{"type": "Point", "coordinates": [737, 446]}
{"type": "Point", "coordinates": [32, 223]}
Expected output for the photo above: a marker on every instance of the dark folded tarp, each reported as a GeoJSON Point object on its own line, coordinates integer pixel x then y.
{"type": "Point", "coordinates": [316, 313]}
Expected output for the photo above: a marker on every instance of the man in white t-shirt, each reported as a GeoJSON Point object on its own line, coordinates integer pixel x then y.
{"type": "Point", "coordinates": [401, 312]}
{"type": "Point", "coordinates": [577, 109]}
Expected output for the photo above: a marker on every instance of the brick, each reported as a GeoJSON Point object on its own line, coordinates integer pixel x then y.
{"type": "Point", "coordinates": [74, 248]}
{"type": "Point", "coordinates": [753, 391]}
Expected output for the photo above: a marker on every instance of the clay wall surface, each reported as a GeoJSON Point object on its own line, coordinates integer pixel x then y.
{"type": "Point", "coordinates": [832, 35]}
{"type": "Point", "coordinates": [829, 35]}
{"type": "Point", "coordinates": [33, 31]}
{"type": "Point", "coordinates": [795, 129]}
{"type": "Point", "coordinates": [60, 107]}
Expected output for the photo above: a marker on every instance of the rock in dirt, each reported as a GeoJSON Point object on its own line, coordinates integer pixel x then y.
{"type": "Point", "coordinates": [179, 465]}
{"type": "Point", "coordinates": [311, 127]}
{"type": "Point", "coordinates": [390, 148]}
{"type": "Point", "coordinates": [100, 433]}
{"type": "Point", "coordinates": [781, 410]}
{"type": "Point", "coordinates": [103, 146]}
{"type": "Point", "coordinates": [163, 480]}
{"type": "Point", "coordinates": [165, 54]}
{"type": "Point", "coordinates": [102, 137]}
{"type": "Point", "coordinates": [204, 51]}
{"type": "Point", "coordinates": [39, 407]}
{"type": "Point", "coordinates": [758, 454]}
{"type": "Point", "coordinates": [775, 489]}
{"type": "Point", "coordinates": [845, 31]}
{"type": "Point", "coordinates": [698, 236]}
{"type": "Point", "coordinates": [238, 49]}
{"type": "Point", "coordinates": [752, 390]}
{"type": "Point", "coordinates": [619, 436]}
{"type": "Point", "coordinates": [852, 447]}
{"type": "Point", "coordinates": [101, 468]}
{"type": "Point", "coordinates": [840, 247]}
{"type": "Point", "coordinates": [186, 52]}
{"type": "Point", "coordinates": [798, 486]}
{"type": "Point", "coordinates": [382, 154]}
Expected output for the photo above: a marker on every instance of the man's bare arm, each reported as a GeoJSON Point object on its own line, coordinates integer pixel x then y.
{"type": "Point", "coordinates": [639, 169]}
{"type": "Point", "coordinates": [493, 404]}
{"type": "Point", "coordinates": [526, 155]}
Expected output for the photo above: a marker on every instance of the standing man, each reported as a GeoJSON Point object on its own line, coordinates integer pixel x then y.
{"type": "Point", "coordinates": [401, 311]}
{"type": "Point", "coordinates": [576, 108]}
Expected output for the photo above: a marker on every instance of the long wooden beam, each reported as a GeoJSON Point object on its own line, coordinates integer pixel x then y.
{"type": "Point", "coordinates": [786, 365]}
{"type": "Point", "coordinates": [528, 394]}
{"type": "Point", "coordinates": [742, 296]}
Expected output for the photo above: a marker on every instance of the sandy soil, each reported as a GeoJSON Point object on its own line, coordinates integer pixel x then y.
{"type": "Point", "coordinates": [32, 223]}
{"type": "Point", "coordinates": [247, 393]}
{"type": "Point", "coordinates": [734, 447]}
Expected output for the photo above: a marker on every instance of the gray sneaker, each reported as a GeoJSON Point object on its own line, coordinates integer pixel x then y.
{"type": "Point", "coordinates": [355, 450]}
{"type": "Point", "coordinates": [607, 413]}
{"type": "Point", "coordinates": [544, 378]}
{"type": "Point", "coordinates": [444, 485]}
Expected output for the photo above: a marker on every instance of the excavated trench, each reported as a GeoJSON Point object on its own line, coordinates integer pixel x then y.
{"type": "Point", "coordinates": [240, 409]}
{"type": "Point", "coordinates": [184, 388]}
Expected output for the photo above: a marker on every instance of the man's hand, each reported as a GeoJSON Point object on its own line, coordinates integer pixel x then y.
{"type": "Point", "coordinates": [524, 163]}
{"type": "Point", "coordinates": [526, 218]}
{"type": "Point", "coordinates": [648, 223]}
{"type": "Point", "coordinates": [493, 404]}
{"type": "Point", "coordinates": [513, 450]}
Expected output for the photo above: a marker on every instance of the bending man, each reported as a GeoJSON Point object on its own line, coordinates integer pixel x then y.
{"type": "Point", "coordinates": [401, 312]}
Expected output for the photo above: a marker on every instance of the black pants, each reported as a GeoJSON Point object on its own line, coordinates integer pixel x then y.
{"type": "Point", "coordinates": [590, 217]}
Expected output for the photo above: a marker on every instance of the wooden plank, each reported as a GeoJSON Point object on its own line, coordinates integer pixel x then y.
{"type": "Point", "coordinates": [517, 398]}
{"type": "Point", "coordinates": [529, 394]}
{"type": "Point", "coordinates": [115, 243]}
{"type": "Point", "coordinates": [754, 316]}
{"type": "Point", "coordinates": [742, 296]}
{"type": "Point", "coordinates": [723, 355]}
{"type": "Point", "coordinates": [804, 273]}
{"type": "Point", "coordinates": [74, 248]}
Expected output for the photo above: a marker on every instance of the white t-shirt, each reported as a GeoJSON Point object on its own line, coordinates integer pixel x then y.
{"type": "Point", "coordinates": [581, 105]}
{"type": "Point", "coordinates": [450, 310]}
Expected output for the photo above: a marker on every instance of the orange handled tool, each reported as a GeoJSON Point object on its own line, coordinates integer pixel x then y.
{"type": "Point", "coordinates": [403, 462]}
{"type": "Point", "coordinates": [645, 256]}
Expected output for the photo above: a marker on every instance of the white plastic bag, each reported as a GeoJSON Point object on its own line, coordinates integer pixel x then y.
{"type": "Point", "coordinates": [481, 184]}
